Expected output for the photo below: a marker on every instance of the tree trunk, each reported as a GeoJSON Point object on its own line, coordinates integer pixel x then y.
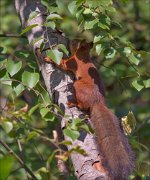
{"type": "Point", "coordinates": [59, 87]}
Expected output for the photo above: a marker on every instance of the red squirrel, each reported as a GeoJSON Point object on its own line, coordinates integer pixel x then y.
{"type": "Point", "coordinates": [89, 95]}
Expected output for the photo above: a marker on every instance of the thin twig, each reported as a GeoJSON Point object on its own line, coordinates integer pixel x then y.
{"type": "Point", "coordinates": [18, 159]}
{"type": "Point", "coordinates": [12, 35]}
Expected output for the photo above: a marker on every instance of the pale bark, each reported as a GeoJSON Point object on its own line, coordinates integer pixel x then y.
{"type": "Point", "coordinates": [59, 85]}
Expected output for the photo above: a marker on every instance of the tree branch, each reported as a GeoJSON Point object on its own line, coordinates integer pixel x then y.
{"type": "Point", "coordinates": [12, 35]}
{"type": "Point", "coordinates": [59, 86]}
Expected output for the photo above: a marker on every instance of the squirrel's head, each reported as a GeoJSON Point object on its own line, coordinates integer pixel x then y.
{"type": "Point", "coordinates": [80, 48]}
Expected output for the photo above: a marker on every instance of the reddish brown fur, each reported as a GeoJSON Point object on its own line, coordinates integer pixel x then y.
{"type": "Point", "coordinates": [89, 96]}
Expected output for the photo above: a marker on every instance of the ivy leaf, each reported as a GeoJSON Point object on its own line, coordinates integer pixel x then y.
{"type": "Point", "coordinates": [90, 24]}
{"type": "Point", "coordinates": [137, 86]}
{"type": "Point", "coordinates": [103, 26]}
{"type": "Point", "coordinates": [86, 128]}
{"type": "Point", "coordinates": [6, 79]}
{"type": "Point", "coordinates": [22, 54]}
{"type": "Point", "coordinates": [30, 79]}
{"type": "Point", "coordinates": [50, 24]}
{"type": "Point", "coordinates": [44, 111]}
{"type": "Point", "coordinates": [33, 109]}
{"type": "Point", "coordinates": [98, 48]}
{"type": "Point", "coordinates": [72, 7]}
{"type": "Point", "coordinates": [7, 126]}
{"type": "Point", "coordinates": [32, 15]}
{"type": "Point", "coordinates": [135, 58]}
{"type": "Point", "coordinates": [146, 83]}
{"type": "Point", "coordinates": [45, 98]}
{"type": "Point", "coordinates": [32, 135]}
{"type": "Point", "coordinates": [66, 143]}
{"type": "Point", "coordinates": [55, 55]}
{"type": "Point", "coordinates": [79, 13]}
{"type": "Point", "coordinates": [54, 17]}
{"type": "Point", "coordinates": [127, 51]}
{"type": "Point", "coordinates": [13, 67]}
{"type": "Point", "coordinates": [63, 48]}
{"type": "Point", "coordinates": [97, 38]}
{"type": "Point", "coordinates": [71, 133]}
{"type": "Point", "coordinates": [87, 11]}
{"type": "Point", "coordinates": [110, 53]}
{"type": "Point", "coordinates": [19, 89]}
{"type": "Point", "coordinates": [75, 122]}
{"type": "Point", "coordinates": [28, 28]}
{"type": "Point", "coordinates": [35, 40]}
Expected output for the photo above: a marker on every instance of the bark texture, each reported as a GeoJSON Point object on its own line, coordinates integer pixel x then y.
{"type": "Point", "coordinates": [59, 85]}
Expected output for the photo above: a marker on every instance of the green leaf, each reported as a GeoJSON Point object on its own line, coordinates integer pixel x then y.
{"type": "Point", "coordinates": [79, 13]}
{"type": "Point", "coordinates": [3, 63]}
{"type": "Point", "coordinates": [63, 48]}
{"type": "Point", "coordinates": [87, 11]}
{"type": "Point", "coordinates": [6, 79]}
{"type": "Point", "coordinates": [98, 48]}
{"type": "Point", "coordinates": [35, 40]}
{"type": "Point", "coordinates": [55, 55]}
{"type": "Point", "coordinates": [33, 109]}
{"type": "Point", "coordinates": [44, 111]}
{"type": "Point", "coordinates": [146, 83]}
{"type": "Point", "coordinates": [90, 24]}
{"type": "Point", "coordinates": [30, 79]}
{"type": "Point", "coordinates": [18, 89]}
{"type": "Point", "coordinates": [66, 143]}
{"type": "Point", "coordinates": [71, 133]}
{"type": "Point", "coordinates": [22, 54]}
{"type": "Point", "coordinates": [13, 67]}
{"type": "Point", "coordinates": [7, 126]}
{"type": "Point", "coordinates": [110, 53]}
{"type": "Point", "coordinates": [72, 7]}
{"type": "Point", "coordinates": [127, 51]}
{"type": "Point", "coordinates": [28, 28]}
{"type": "Point", "coordinates": [86, 128]}
{"type": "Point", "coordinates": [32, 135]}
{"type": "Point", "coordinates": [137, 86]}
{"type": "Point", "coordinates": [54, 17]}
{"type": "Point", "coordinates": [49, 117]}
{"type": "Point", "coordinates": [103, 26]}
{"type": "Point", "coordinates": [6, 166]}
{"type": "Point", "coordinates": [75, 122]}
{"type": "Point", "coordinates": [32, 15]}
{"type": "Point", "coordinates": [97, 38]}
{"type": "Point", "coordinates": [135, 58]}
{"type": "Point", "coordinates": [78, 150]}
{"type": "Point", "coordinates": [50, 24]}
{"type": "Point", "coordinates": [45, 98]}
{"type": "Point", "coordinates": [46, 114]}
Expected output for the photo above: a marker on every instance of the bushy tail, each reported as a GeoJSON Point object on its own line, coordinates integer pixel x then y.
{"type": "Point", "coordinates": [112, 141]}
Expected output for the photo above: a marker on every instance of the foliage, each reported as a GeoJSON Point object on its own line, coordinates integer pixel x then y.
{"type": "Point", "coordinates": [119, 32]}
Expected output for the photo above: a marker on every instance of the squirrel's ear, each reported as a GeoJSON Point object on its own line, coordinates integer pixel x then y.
{"type": "Point", "coordinates": [77, 44]}
{"type": "Point", "coordinates": [74, 45]}
{"type": "Point", "coordinates": [84, 44]}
